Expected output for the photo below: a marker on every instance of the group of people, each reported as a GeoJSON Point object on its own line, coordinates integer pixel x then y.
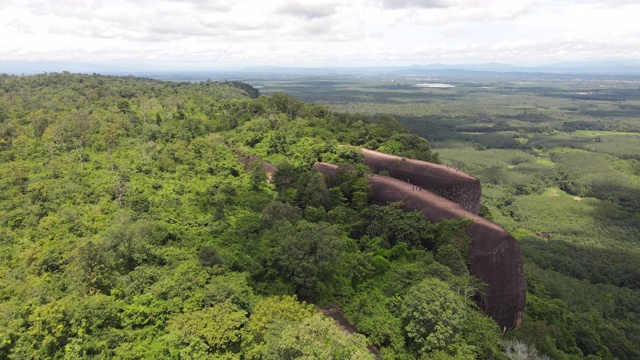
{"type": "Point", "coordinates": [414, 187]}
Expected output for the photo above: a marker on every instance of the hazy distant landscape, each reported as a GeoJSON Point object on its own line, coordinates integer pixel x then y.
{"type": "Point", "coordinates": [583, 68]}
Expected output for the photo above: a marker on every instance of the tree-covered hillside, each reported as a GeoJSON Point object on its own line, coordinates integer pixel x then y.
{"type": "Point", "coordinates": [129, 228]}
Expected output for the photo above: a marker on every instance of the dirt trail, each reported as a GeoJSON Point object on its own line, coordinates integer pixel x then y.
{"type": "Point", "coordinates": [337, 315]}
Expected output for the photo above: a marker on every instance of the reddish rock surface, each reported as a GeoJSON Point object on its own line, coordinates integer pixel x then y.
{"type": "Point", "coordinates": [267, 167]}
{"type": "Point", "coordinates": [447, 182]}
{"type": "Point", "coordinates": [494, 255]}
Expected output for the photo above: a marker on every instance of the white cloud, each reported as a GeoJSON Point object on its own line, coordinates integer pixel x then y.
{"type": "Point", "coordinates": [469, 11]}
{"type": "Point", "coordinates": [308, 11]}
{"type": "Point", "coordinates": [326, 32]}
{"type": "Point", "coordinates": [412, 4]}
{"type": "Point", "coordinates": [610, 3]}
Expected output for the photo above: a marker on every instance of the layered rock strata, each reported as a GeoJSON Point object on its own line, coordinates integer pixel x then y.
{"type": "Point", "coordinates": [494, 255]}
{"type": "Point", "coordinates": [447, 182]}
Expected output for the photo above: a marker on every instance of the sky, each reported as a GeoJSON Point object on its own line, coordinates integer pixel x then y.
{"type": "Point", "coordinates": [209, 34]}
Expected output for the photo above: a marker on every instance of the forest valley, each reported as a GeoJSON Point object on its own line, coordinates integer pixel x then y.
{"type": "Point", "coordinates": [130, 228]}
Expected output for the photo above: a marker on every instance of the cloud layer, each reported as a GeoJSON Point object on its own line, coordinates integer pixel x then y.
{"type": "Point", "coordinates": [202, 33]}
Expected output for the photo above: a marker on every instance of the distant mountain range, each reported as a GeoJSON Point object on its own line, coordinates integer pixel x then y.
{"type": "Point", "coordinates": [38, 67]}
{"type": "Point", "coordinates": [587, 67]}
{"type": "Point", "coordinates": [613, 67]}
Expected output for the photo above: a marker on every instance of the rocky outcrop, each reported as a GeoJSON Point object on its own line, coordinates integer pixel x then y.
{"type": "Point", "coordinates": [447, 182]}
{"type": "Point", "coordinates": [494, 255]}
{"type": "Point", "coordinates": [268, 168]}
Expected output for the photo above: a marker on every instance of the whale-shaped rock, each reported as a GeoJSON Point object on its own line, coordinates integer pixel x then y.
{"type": "Point", "coordinates": [494, 255]}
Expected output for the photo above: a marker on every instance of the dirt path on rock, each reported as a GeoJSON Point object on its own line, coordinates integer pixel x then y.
{"type": "Point", "coordinates": [337, 315]}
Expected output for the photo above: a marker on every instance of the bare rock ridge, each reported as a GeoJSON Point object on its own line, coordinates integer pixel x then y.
{"type": "Point", "coordinates": [447, 182]}
{"type": "Point", "coordinates": [494, 255]}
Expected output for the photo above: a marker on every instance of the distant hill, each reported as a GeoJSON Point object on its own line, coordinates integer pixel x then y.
{"type": "Point", "coordinates": [587, 67]}
{"type": "Point", "coordinates": [38, 67]}
{"type": "Point", "coordinates": [612, 67]}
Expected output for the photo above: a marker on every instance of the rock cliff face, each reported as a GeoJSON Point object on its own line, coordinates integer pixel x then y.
{"type": "Point", "coordinates": [494, 255]}
{"type": "Point", "coordinates": [449, 183]}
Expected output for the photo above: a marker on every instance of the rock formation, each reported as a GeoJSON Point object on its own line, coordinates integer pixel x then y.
{"type": "Point", "coordinates": [494, 255]}
{"type": "Point", "coordinates": [268, 168]}
{"type": "Point", "coordinates": [447, 182]}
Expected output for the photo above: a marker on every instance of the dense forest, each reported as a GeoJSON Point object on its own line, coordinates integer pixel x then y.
{"type": "Point", "coordinates": [137, 221]}
{"type": "Point", "coordinates": [131, 227]}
